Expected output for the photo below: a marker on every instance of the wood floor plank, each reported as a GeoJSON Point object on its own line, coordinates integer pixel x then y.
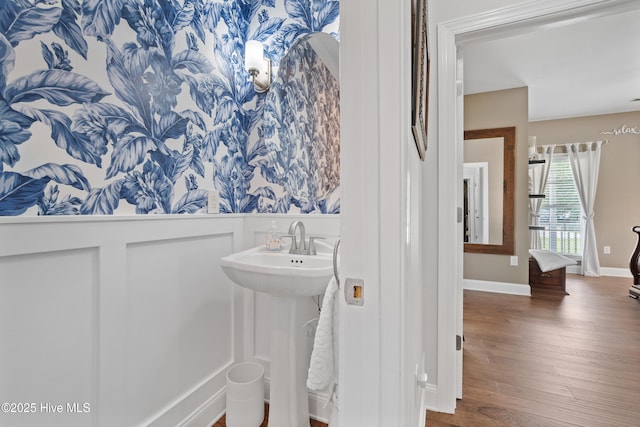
{"type": "Point", "coordinates": [550, 360]}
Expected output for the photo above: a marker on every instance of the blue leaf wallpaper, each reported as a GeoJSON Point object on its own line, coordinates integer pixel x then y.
{"type": "Point", "coordinates": [301, 129]}
{"type": "Point", "coordinates": [143, 106]}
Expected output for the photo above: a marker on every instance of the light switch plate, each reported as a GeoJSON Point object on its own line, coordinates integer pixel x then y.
{"type": "Point", "coordinates": [213, 202]}
{"type": "Point", "coordinates": [514, 261]}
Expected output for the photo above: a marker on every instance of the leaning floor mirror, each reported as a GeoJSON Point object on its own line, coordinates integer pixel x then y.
{"type": "Point", "coordinates": [488, 188]}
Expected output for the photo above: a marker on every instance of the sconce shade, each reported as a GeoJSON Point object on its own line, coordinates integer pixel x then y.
{"type": "Point", "coordinates": [253, 56]}
{"type": "Point", "coordinates": [257, 65]}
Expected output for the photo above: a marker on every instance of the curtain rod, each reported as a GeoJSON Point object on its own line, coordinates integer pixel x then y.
{"type": "Point", "coordinates": [602, 141]}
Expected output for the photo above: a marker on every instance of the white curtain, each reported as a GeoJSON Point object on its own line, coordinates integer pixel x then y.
{"type": "Point", "coordinates": [538, 174]}
{"type": "Point", "coordinates": [585, 165]}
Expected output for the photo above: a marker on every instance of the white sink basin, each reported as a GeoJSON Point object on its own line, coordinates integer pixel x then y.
{"type": "Point", "coordinates": [280, 274]}
{"type": "Point", "coordinates": [288, 279]}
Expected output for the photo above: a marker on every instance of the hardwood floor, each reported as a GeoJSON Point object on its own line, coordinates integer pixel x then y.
{"type": "Point", "coordinates": [550, 360]}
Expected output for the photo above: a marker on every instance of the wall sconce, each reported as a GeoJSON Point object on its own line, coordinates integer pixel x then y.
{"type": "Point", "coordinates": [257, 65]}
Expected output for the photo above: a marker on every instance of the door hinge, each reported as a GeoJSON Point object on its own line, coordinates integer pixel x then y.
{"type": "Point", "coordinates": [458, 343]}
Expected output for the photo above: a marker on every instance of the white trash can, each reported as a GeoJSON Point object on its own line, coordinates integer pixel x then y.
{"type": "Point", "coordinates": [245, 395]}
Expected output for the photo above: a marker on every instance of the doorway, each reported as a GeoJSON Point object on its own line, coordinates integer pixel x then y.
{"type": "Point", "coordinates": [451, 35]}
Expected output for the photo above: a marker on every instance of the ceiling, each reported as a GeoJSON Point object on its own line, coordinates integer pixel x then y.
{"type": "Point", "coordinates": [585, 68]}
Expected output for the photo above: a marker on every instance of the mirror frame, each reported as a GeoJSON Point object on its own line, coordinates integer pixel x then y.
{"type": "Point", "coordinates": [508, 200]}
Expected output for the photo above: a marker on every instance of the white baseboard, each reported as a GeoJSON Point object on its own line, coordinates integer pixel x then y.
{"type": "Point", "coordinates": [208, 413]}
{"type": "Point", "coordinates": [432, 398]}
{"type": "Point", "coordinates": [497, 287]}
{"type": "Point", "coordinates": [574, 269]}
{"type": "Point", "coordinates": [615, 272]}
{"type": "Point", "coordinates": [319, 408]}
{"type": "Point", "coordinates": [604, 271]}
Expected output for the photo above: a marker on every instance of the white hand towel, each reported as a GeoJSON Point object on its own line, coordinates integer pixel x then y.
{"type": "Point", "coordinates": [323, 366]}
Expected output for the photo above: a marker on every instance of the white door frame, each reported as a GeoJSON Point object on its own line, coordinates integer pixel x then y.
{"type": "Point", "coordinates": [494, 24]}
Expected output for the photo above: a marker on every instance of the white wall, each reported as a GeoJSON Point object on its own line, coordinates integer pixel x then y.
{"type": "Point", "coordinates": [131, 315]}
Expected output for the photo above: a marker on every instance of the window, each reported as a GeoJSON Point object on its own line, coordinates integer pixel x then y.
{"type": "Point", "coordinates": [561, 211]}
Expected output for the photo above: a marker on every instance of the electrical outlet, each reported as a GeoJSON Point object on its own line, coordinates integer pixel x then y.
{"type": "Point", "coordinates": [607, 250]}
{"type": "Point", "coordinates": [354, 291]}
{"type": "Point", "coordinates": [213, 202]}
{"type": "Point", "coordinates": [514, 261]}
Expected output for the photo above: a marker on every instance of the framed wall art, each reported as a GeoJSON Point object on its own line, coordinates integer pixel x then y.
{"type": "Point", "coordinates": [419, 76]}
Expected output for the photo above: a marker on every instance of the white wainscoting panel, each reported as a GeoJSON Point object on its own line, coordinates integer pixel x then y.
{"type": "Point", "coordinates": [48, 352]}
{"type": "Point", "coordinates": [177, 300]}
{"type": "Point", "coordinates": [131, 315]}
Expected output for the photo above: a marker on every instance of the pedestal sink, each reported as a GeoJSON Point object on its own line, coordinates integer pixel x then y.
{"type": "Point", "coordinates": [287, 279]}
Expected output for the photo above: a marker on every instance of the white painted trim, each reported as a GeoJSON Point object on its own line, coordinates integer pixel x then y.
{"type": "Point", "coordinates": [110, 239]}
{"type": "Point", "coordinates": [497, 287]}
{"type": "Point", "coordinates": [319, 406]}
{"type": "Point", "coordinates": [431, 397]}
{"type": "Point", "coordinates": [448, 248]}
{"type": "Point", "coordinates": [112, 218]}
{"type": "Point", "coordinates": [398, 357]}
{"type": "Point", "coordinates": [615, 272]}
{"type": "Point", "coordinates": [208, 413]}
{"type": "Point", "coordinates": [532, 15]}
{"type": "Point", "coordinates": [459, 236]}
{"type": "Point", "coordinates": [574, 269]}
{"type": "Point", "coordinates": [113, 242]}
{"type": "Point", "coordinates": [521, 17]}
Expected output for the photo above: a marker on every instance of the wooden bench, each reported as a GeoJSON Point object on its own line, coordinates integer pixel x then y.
{"type": "Point", "coordinates": [553, 281]}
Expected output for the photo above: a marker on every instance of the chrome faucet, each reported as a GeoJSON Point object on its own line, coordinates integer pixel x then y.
{"type": "Point", "coordinates": [297, 246]}
{"type": "Point", "coordinates": [300, 246]}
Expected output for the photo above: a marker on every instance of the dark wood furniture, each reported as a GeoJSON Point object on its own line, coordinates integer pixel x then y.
{"type": "Point", "coordinates": [634, 290]}
{"type": "Point", "coordinates": [553, 281]}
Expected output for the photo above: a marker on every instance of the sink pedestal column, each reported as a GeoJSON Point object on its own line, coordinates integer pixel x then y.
{"type": "Point", "coordinates": [289, 400]}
